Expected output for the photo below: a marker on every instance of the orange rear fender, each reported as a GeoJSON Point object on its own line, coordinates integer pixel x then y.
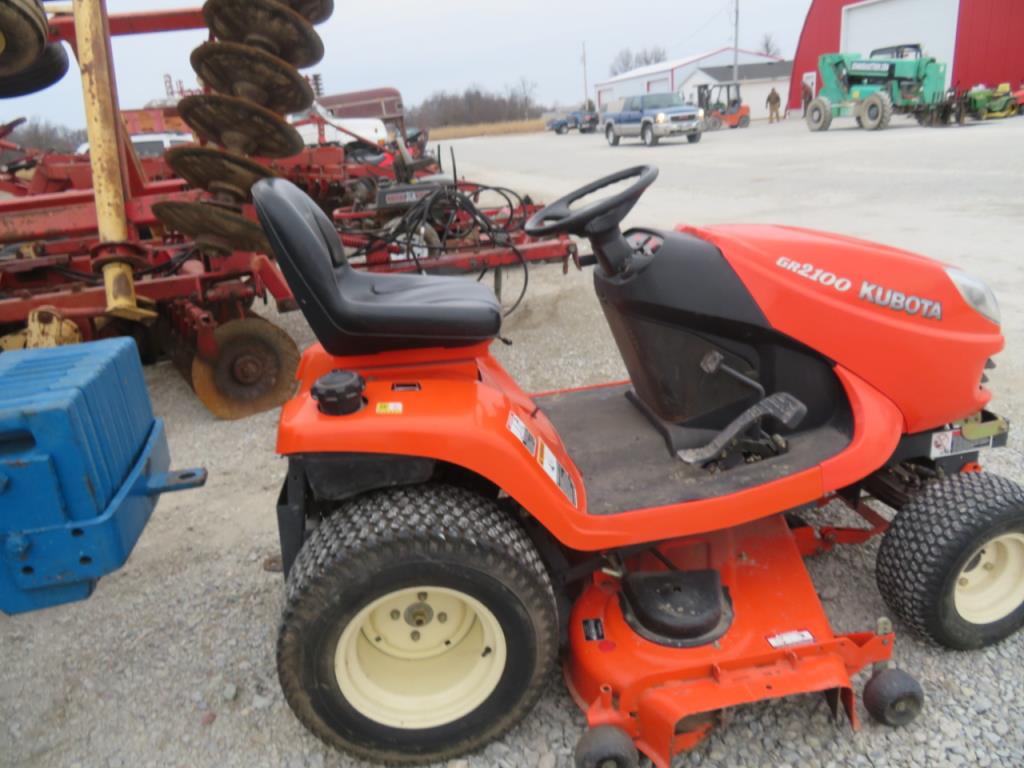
{"type": "Point", "coordinates": [470, 413]}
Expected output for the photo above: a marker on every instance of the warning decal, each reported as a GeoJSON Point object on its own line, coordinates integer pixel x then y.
{"type": "Point", "coordinates": [787, 639]}
{"type": "Point", "coordinates": [952, 441]}
{"type": "Point", "coordinates": [516, 427]}
{"type": "Point", "coordinates": [554, 469]}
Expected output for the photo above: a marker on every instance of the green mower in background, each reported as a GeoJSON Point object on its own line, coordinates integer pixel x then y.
{"type": "Point", "coordinates": [987, 103]}
{"type": "Point", "coordinates": [896, 80]}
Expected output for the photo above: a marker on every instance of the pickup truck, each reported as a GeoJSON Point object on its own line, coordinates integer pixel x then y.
{"type": "Point", "coordinates": [652, 117]}
{"type": "Point", "coordinates": [585, 122]}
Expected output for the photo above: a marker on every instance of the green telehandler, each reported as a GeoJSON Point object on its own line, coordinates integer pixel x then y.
{"type": "Point", "coordinates": [895, 80]}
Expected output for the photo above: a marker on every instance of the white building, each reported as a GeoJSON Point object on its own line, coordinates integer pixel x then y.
{"type": "Point", "coordinates": [670, 76]}
{"type": "Point", "coordinates": [756, 82]}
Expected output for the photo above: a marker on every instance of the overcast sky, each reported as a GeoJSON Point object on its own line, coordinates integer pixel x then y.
{"type": "Point", "coordinates": [421, 46]}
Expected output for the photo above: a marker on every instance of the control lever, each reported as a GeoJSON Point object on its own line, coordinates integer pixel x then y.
{"type": "Point", "coordinates": [713, 363]}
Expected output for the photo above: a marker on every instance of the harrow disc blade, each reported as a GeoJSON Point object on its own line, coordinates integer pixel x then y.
{"type": "Point", "coordinates": [314, 11]}
{"type": "Point", "coordinates": [241, 126]}
{"type": "Point", "coordinates": [216, 170]}
{"type": "Point", "coordinates": [268, 25]}
{"type": "Point", "coordinates": [23, 34]}
{"type": "Point", "coordinates": [247, 72]}
{"type": "Point", "coordinates": [254, 370]}
{"type": "Point", "coordinates": [213, 225]}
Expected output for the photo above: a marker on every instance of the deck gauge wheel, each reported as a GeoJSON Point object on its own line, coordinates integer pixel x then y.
{"type": "Point", "coordinates": [606, 747]}
{"type": "Point", "coordinates": [892, 697]}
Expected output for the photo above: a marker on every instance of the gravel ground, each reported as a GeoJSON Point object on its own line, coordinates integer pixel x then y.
{"type": "Point", "coordinates": [171, 662]}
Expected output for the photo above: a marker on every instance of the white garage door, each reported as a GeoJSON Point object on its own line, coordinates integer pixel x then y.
{"type": "Point", "coordinates": [881, 23]}
{"type": "Point", "coordinates": [661, 85]}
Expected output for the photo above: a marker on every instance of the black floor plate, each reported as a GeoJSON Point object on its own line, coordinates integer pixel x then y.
{"type": "Point", "coordinates": [626, 465]}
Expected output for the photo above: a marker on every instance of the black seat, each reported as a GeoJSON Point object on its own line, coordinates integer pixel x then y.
{"type": "Point", "coordinates": [354, 312]}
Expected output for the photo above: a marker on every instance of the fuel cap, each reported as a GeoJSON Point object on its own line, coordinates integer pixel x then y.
{"type": "Point", "coordinates": [339, 392]}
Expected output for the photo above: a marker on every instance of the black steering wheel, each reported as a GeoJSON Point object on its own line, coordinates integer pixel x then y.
{"type": "Point", "coordinates": [597, 218]}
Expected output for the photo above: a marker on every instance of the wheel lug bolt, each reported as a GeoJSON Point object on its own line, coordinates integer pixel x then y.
{"type": "Point", "coordinates": [422, 597]}
{"type": "Point", "coordinates": [963, 581]}
{"type": "Point", "coordinates": [395, 614]}
{"type": "Point", "coordinates": [415, 635]}
{"type": "Point", "coordinates": [442, 617]}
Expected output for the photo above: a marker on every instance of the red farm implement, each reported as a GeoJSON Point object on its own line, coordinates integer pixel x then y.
{"type": "Point", "coordinates": [167, 249]}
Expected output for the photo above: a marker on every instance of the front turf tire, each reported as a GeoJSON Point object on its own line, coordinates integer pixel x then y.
{"type": "Point", "coordinates": [951, 565]}
{"type": "Point", "coordinates": [647, 136]}
{"type": "Point", "coordinates": [611, 136]}
{"type": "Point", "coordinates": [694, 137]}
{"type": "Point", "coordinates": [419, 545]}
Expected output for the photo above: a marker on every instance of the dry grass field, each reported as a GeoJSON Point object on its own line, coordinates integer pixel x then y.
{"type": "Point", "coordinates": [486, 129]}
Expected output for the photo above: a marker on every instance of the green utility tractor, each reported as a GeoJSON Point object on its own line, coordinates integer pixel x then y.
{"type": "Point", "coordinates": [896, 80]}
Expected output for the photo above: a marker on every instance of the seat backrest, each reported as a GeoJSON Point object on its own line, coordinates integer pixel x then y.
{"type": "Point", "coordinates": [307, 247]}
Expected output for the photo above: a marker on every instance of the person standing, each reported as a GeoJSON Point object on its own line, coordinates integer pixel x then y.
{"type": "Point", "coordinates": [806, 95]}
{"type": "Point", "coordinates": [773, 102]}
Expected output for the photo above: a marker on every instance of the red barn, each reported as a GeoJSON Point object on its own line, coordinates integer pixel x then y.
{"type": "Point", "coordinates": [981, 40]}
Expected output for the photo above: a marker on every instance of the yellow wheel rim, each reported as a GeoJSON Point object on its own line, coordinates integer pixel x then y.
{"type": "Point", "coordinates": [991, 585]}
{"type": "Point", "coordinates": [420, 657]}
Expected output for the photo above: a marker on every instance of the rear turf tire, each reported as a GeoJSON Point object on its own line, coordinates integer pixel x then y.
{"type": "Point", "coordinates": [951, 565]}
{"type": "Point", "coordinates": [365, 601]}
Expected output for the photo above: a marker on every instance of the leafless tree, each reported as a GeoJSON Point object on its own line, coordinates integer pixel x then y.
{"type": "Point", "coordinates": [653, 55]}
{"type": "Point", "coordinates": [623, 62]}
{"type": "Point", "coordinates": [526, 88]}
{"type": "Point", "coordinates": [768, 45]}
{"type": "Point", "coordinates": [41, 134]}
{"type": "Point", "coordinates": [476, 105]}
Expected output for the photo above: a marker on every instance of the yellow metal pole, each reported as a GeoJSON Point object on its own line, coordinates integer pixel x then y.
{"type": "Point", "coordinates": [101, 119]}
{"type": "Point", "coordinates": [102, 116]}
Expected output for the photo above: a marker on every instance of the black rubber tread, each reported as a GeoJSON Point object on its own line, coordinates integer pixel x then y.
{"type": "Point", "coordinates": [694, 137]}
{"type": "Point", "coordinates": [394, 526]}
{"type": "Point", "coordinates": [893, 698]}
{"type": "Point", "coordinates": [648, 137]}
{"type": "Point", "coordinates": [826, 114]}
{"type": "Point", "coordinates": [48, 69]}
{"type": "Point", "coordinates": [611, 136]}
{"type": "Point", "coordinates": [25, 29]}
{"type": "Point", "coordinates": [885, 111]}
{"type": "Point", "coordinates": [927, 545]}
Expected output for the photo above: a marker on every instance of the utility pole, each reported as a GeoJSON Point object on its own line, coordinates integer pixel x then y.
{"type": "Point", "coordinates": [586, 90]}
{"type": "Point", "coordinates": [736, 45]}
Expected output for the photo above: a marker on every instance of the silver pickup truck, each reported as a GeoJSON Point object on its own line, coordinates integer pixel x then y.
{"type": "Point", "coordinates": [652, 117]}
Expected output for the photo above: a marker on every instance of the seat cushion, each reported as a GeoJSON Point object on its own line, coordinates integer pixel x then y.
{"type": "Point", "coordinates": [415, 306]}
{"type": "Point", "coordinates": [356, 313]}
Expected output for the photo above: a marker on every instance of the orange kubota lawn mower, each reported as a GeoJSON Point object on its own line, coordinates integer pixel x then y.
{"type": "Point", "coordinates": [445, 533]}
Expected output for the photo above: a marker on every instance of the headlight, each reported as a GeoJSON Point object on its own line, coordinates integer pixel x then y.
{"type": "Point", "coordinates": [660, 118]}
{"type": "Point", "coordinates": [700, 114]}
{"type": "Point", "coordinates": [976, 293]}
